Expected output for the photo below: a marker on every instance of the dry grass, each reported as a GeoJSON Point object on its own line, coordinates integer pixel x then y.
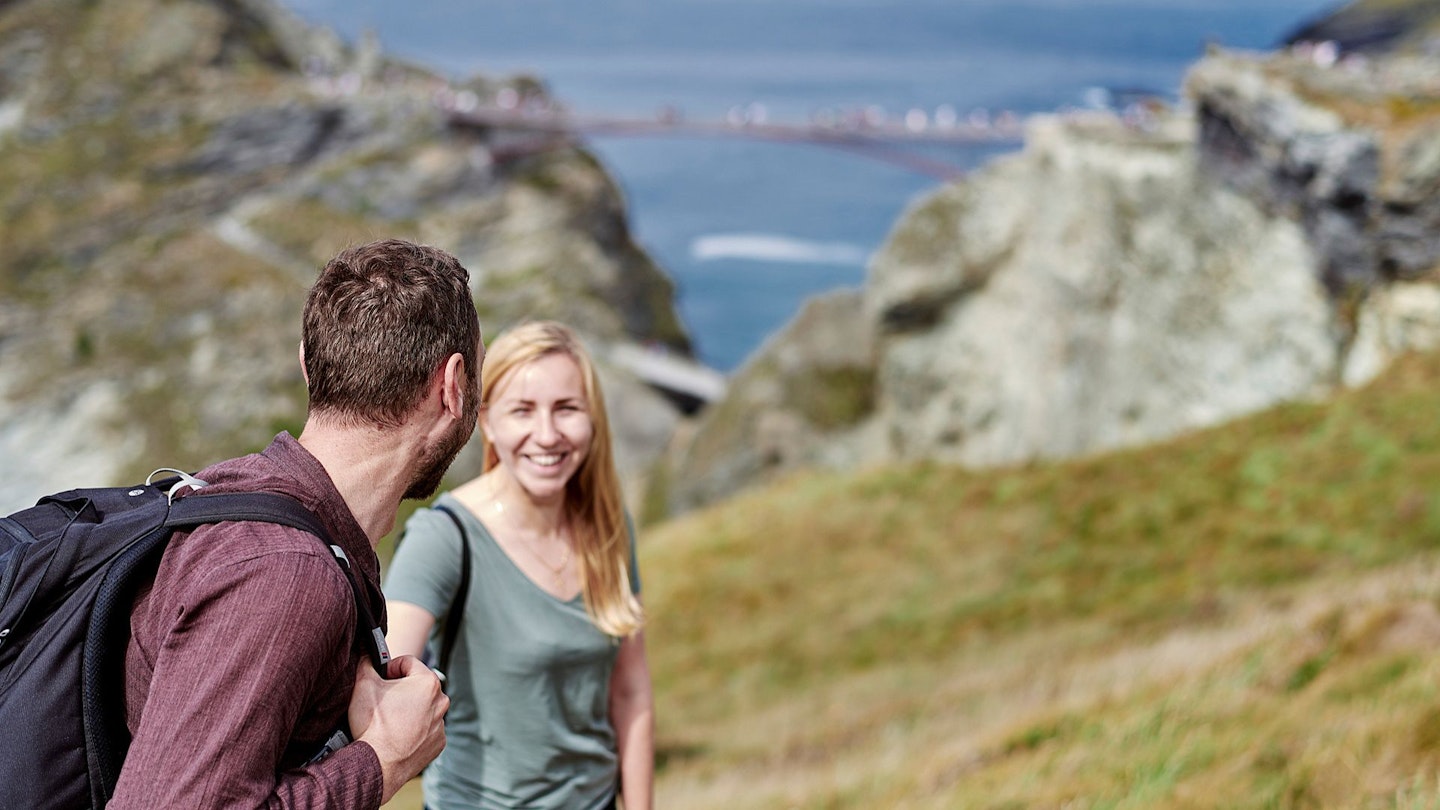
{"type": "Point", "coordinates": [926, 636]}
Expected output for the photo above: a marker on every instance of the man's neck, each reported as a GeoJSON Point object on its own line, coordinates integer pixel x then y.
{"type": "Point", "coordinates": [371, 468]}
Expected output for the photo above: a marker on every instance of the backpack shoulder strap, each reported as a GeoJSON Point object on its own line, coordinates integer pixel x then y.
{"type": "Point", "coordinates": [265, 507]}
{"type": "Point", "coordinates": [457, 607]}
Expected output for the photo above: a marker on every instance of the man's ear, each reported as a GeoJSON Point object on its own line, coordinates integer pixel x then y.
{"type": "Point", "coordinates": [452, 389]}
{"type": "Point", "coordinates": [304, 372]}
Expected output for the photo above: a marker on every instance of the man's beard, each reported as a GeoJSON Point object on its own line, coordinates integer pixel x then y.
{"type": "Point", "coordinates": [434, 464]}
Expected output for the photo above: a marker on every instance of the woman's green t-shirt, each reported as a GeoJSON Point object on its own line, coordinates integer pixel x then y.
{"type": "Point", "coordinates": [529, 680]}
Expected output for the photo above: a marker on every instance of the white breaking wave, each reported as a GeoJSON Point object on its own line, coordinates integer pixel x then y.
{"type": "Point", "coordinates": [765, 247]}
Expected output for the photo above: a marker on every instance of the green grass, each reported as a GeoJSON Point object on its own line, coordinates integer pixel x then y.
{"type": "Point", "coordinates": [832, 398]}
{"type": "Point", "coordinates": [928, 636]}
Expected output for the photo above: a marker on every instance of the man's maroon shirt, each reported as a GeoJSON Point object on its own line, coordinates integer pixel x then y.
{"type": "Point", "coordinates": [242, 655]}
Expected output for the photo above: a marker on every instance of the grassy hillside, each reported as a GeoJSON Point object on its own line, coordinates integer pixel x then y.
{"type": "Point", "coordinates": [1242, 618]}
{"type": "Point", "coordinates": [1246, 617]}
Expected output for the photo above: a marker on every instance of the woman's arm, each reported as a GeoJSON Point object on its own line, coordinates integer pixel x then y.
{"type": "Point", "coordinates": [409, 628]}
{"type": "Point", "coordinates": [632, 711]}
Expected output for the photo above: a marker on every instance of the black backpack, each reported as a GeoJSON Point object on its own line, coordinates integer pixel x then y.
{"type": "Point", "coordinates": [69, 569]}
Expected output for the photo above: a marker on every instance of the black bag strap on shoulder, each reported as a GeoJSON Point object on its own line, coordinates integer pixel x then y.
{"type": "Point", "coordinates": [457, 607]}
{"type": "Point", "coordinates": [268, 507]}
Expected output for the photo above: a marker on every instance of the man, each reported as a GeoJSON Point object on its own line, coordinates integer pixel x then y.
{"type": "Point", "coordinates": [243, 658]}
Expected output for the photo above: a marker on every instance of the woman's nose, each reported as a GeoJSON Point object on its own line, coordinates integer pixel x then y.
{"type": "Point", "coordinates": [545, 430]}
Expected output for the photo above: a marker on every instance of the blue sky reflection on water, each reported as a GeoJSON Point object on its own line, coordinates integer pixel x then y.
{"type": "Point", "coordinates": [796, 57]}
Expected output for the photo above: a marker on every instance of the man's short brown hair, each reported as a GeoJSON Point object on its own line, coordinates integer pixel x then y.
{"type": "Point", "coordinates": [380, 320]}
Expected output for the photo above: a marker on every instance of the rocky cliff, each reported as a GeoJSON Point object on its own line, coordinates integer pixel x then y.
{"type": "Point", "coordinates": [1115, 284]}
{"type": "Point", "coordinates": [172, 175]}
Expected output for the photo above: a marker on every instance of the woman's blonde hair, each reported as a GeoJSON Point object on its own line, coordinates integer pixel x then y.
{"type": "Point", "coordinates": [592, 496]}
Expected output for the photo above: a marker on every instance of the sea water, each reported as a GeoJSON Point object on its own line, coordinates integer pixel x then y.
{"type": "Point", "coordinates": [749, 229]}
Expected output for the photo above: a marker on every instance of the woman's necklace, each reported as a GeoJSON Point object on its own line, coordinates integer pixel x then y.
{"type": "Point", "coordinates": [557, 572]}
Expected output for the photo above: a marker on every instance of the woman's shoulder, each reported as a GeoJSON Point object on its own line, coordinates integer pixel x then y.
{"type": "Point", "coordinates": [433, 526]}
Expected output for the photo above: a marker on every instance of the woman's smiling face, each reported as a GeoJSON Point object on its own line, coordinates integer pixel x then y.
{"type": "Point", "coordinates": [538, 422]}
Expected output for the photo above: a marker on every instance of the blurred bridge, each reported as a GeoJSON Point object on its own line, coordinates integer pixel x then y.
{"type": "Point", "coordinates": [868, 135]}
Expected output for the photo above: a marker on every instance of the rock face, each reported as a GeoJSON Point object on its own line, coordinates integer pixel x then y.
{"type": "Point", "coordinates": [1107, 313]}
{"type": "Point", "coordinates": [172, 176]}
{"type": "Point", "coordinates": [1337, 150]}
{"type": "Point", "coordinates": [1351, 152]}
{"type": "Point", "coordinates": [799, 402]}
{"type": "Point", "coordinates": [1110, 285]}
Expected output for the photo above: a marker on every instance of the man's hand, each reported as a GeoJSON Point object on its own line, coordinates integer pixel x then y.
{"type": "Point", "coordinates": [402, 718]}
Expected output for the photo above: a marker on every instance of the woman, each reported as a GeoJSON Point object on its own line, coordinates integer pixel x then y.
{"type": "Point", "coordinates": [550, 693]}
